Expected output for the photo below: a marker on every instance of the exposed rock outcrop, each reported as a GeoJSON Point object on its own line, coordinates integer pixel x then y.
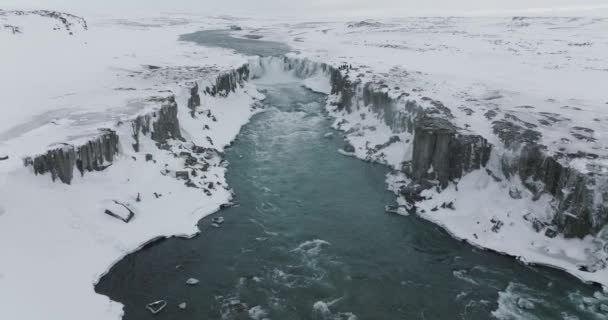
{"type": "Point", "coordinates": [228, 81]}
{"type": "Point", "coordinates": [95, 155]}
{"type": "Point", "coordinates": [444, 153]}
{"type": "Point", "coordinates": [194, 100]}
{"type": "Point", "coordinates": [579, 198]}
{"type": "Point", "coordinates": [162, 124]}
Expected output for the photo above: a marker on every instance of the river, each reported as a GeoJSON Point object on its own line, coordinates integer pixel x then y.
{"type": "Point", "coordinates": [309, 239]}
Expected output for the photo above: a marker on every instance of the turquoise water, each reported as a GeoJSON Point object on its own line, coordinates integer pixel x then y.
{"type": "Point", "coordinates": [250, 47]}
{"type": "Point", "coordinates": [310, 240]}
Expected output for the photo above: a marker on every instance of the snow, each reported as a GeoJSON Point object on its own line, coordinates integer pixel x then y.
{"type": "Point", "coordinates": [473, 220]}
{"type": "Point", "coordinates": [59, 88]}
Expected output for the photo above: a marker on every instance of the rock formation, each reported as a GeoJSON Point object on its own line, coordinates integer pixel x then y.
{"type": "Point", "coordinates": [94, 155]}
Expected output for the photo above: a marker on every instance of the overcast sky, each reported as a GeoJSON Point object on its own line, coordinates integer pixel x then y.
{"type": "Point", "coordinates": [323, 7]}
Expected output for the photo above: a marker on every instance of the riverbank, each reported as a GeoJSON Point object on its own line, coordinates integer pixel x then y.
{"type": "Point", "coordinates": [154, 170]}
{"type": "Point", "coordinates": [310, 238]}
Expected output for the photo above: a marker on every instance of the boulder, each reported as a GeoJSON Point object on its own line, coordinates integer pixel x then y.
{"type": "Point", "coordinates": [348, 148]}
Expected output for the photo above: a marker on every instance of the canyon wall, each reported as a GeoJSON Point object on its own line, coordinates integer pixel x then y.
{"type": "Point", "coordinates": [160, 124]}
{"type": "Point", "coordinates": [443, 153]}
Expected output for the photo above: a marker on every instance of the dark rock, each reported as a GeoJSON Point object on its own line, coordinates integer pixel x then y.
{"type": "Point", "coordinates": [448, 205]}
{"type": "Point", "coordinates": [411, 192]}
{"type": "Point", "coordinates": [550, 233]}
{"type": "Point", "coordinates": [514, 135]}
{"type": "Point", "coordinates": [442, 153]}
{"type": "Point", "coordinates": [191, 184]}
{"type": "Point", "coordinates": [390, 141]}
{"type": "Point", "coordinates": [349, 148]}
{"type": "Point", "coordinates": [490, 114]}
{"type": "Point", "coordinates": [583, 268]}
{"type": "Point", "coordinates": [91, 156]}
{"type": "Point", "coordinates": [123, 219]}
{"type": "Point", "coordinates": [578, 211]}
{"type": "Point", "coordinates": [194, 100]}
{"type": "Point", "coordinates": [162, 124]}
{"type": "Point", "coordinates": [2, 158]}
{"type": "Point", "coordinates": [184, 175]}
{"type": "Point", "coordinates": [515, 193]}
{"type": "Point", "coordinates": [148, 157]}
{"type": "Point", "coordinates": [197, 149]}
{"type": "Point", "coordinates": [538, 225]}
{"type": "Point", "coordinates": [228, 81]}
{"type": "Point", "coordinates": [496, 225]}
{"type": "Point", "coordinates": [190, 160]}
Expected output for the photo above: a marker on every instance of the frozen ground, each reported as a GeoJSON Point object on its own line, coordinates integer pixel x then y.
{"type": "Point", "coordinates": [62, 81]}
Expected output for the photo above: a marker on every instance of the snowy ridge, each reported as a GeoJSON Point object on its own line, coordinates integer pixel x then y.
{"type": "Point", "coordinates": [16, 21]}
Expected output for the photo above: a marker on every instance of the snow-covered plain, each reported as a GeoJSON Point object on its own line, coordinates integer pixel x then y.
{"type": "Point", "coordinates": [60, 86]}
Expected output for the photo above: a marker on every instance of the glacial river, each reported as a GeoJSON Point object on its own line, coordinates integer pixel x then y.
{"type": "Point", "coordinates": [309, 239]}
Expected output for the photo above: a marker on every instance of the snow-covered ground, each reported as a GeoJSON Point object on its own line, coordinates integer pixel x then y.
{"type": "Point", "coordinates": [62, 82]}
{"type": "Point", "coordinates": [59, 87]}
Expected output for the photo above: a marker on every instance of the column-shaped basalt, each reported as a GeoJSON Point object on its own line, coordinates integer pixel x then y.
{"type": "Point", "coordinates": [228, 81]}
{"type": "Point", "coordinates": [94, 155]}
{"type": "Point", "coordinates": [194, 100]}
{"type": "Point", "coordinates": [443, 153]}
